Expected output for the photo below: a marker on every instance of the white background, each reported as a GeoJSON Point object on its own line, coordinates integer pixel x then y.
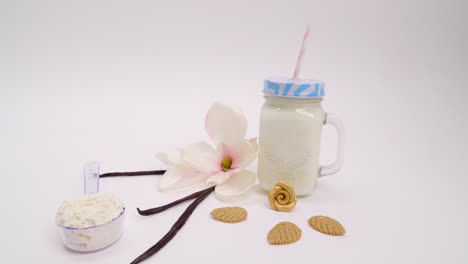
{"type": "Point", "coordinates": [120, 81]}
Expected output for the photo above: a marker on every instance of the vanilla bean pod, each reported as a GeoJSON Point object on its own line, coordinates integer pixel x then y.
{"type": "Point", "coordinates": [175, 228]}
{"type": "Point", "coordinates": [169, 205]}
{"type": "Point", "coordinates": [132, 173]}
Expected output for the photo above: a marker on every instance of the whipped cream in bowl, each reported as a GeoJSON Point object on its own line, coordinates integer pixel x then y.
{"type": "Point", "coordinates": [93, 222]}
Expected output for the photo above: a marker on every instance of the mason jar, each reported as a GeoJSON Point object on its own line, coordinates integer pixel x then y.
{"type": "Point", "coordinates": [291, 122]}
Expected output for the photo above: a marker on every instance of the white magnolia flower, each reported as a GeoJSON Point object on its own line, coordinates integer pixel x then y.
{"type": "Point", "coordinates": [223, 166]}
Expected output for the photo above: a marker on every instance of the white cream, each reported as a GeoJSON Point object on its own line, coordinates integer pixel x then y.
{"type": "Point", "coordinates": [92, 222]}
{"type": "Point", "coordinates": [90, 210]}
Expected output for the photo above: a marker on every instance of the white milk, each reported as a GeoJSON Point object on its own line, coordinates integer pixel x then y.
{"type": "Point", "coordinates": [289, 139]}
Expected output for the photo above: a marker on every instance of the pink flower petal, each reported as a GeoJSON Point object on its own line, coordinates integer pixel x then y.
{"type": "Point", "coordinates": [236, 185]}
{"type": "Point", "coordinates": [225, 124]}
{"type": "Point", "coordinates": [170, 179]}
{"type": "Point", "coordinates": [219, 178]}
{"type": "Point", "coordinates": [176, 178]}
{"type": "Point", "coordinates": [171, 158]}
{"type": "Point", "coordinates": [243, 153]}
{"type": "Point", "coordinates": [202, 157]}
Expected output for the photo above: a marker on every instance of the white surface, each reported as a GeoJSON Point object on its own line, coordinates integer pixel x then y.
{"type": "Point", "coordinates": [118, 82]}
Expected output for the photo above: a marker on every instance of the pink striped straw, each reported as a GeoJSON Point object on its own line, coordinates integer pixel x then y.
{"type": "Point", "coordinates": [302, 53]}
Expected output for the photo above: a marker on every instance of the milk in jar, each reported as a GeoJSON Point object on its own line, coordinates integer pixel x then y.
{"type": "Point", "coordinates": [291, 122]}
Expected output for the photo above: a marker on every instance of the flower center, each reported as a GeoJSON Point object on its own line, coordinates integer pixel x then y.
{"type": "Point", "coordinates": [226, 164]}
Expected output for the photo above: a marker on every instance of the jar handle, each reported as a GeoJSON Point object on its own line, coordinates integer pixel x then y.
{"type": "Point", "coordinates": [335, 166]}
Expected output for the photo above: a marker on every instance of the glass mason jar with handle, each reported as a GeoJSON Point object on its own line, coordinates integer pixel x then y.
{"type": "Point", "coordinates": [291, 123]}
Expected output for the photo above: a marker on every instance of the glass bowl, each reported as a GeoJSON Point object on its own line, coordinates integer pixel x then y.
{"type": "Point", "coordinates": [93, 238]}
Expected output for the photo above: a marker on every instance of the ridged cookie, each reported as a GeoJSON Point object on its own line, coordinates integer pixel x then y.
{"type": "Point", "coordinates": [284, 233]}
{"type": "Point", "coordinates": [229, 214]}
{"type": "Point", "coordinates": [327, 225]}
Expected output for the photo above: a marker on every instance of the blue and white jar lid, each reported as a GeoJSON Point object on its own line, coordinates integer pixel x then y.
{"type": "Point", "coordinates": [301, 88]}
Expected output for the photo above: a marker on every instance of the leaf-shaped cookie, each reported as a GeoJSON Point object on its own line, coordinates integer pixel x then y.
{"type": "Point", "coordinates": [229, 214]}
{"type": "Point", "coordinates": [284, 233]}
{"type": "Point", "coordinates": [327, 225]}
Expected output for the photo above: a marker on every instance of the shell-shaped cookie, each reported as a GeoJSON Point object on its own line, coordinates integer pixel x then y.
{"type": "Point", "coordinates": [284, 233]}
{"type": "Point", "coordinates": [229, 214]}
{"type": "Point", "coordinates": [327, 225]}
